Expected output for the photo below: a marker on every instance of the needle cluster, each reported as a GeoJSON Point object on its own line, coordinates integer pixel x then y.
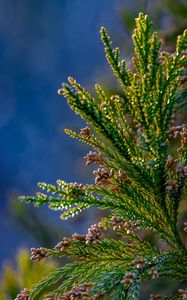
{"type": "Point", "coordinates": [138, 180]}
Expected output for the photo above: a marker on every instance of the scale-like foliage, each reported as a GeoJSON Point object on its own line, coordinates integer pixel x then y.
{"type": "Point", "coordinates": [138, 180]}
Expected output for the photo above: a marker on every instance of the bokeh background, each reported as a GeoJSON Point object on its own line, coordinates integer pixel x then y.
{"type": "Point", "coordinates": [41, 43]}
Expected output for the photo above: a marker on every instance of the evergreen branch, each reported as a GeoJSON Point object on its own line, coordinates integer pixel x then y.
{"type": "Point", "coordinates": [55, 278]}
{"type": "Point", "coordinates": [112, 55]}
{"type": "Point", "coordinates": [134, 292]}
{"type": "Point", "coordinates": [137, 180]}
{"type": "Point", "coordinates": [88, 109]}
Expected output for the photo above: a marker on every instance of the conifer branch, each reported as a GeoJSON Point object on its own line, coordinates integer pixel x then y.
{"type": "Point", "coordinates": [137, 179]}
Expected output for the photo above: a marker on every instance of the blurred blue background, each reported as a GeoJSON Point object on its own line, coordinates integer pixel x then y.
{"type": "Point", "coordinates": [41, 43]}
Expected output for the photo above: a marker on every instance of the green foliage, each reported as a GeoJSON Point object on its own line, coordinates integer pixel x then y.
{"type": "Point", "coordinates": [26, 273]}
{"type": "Point", "coordinates": [138, 181]}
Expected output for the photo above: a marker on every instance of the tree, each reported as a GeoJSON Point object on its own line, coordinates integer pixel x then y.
{"type": "Point", "coordinates": [138, 180]}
